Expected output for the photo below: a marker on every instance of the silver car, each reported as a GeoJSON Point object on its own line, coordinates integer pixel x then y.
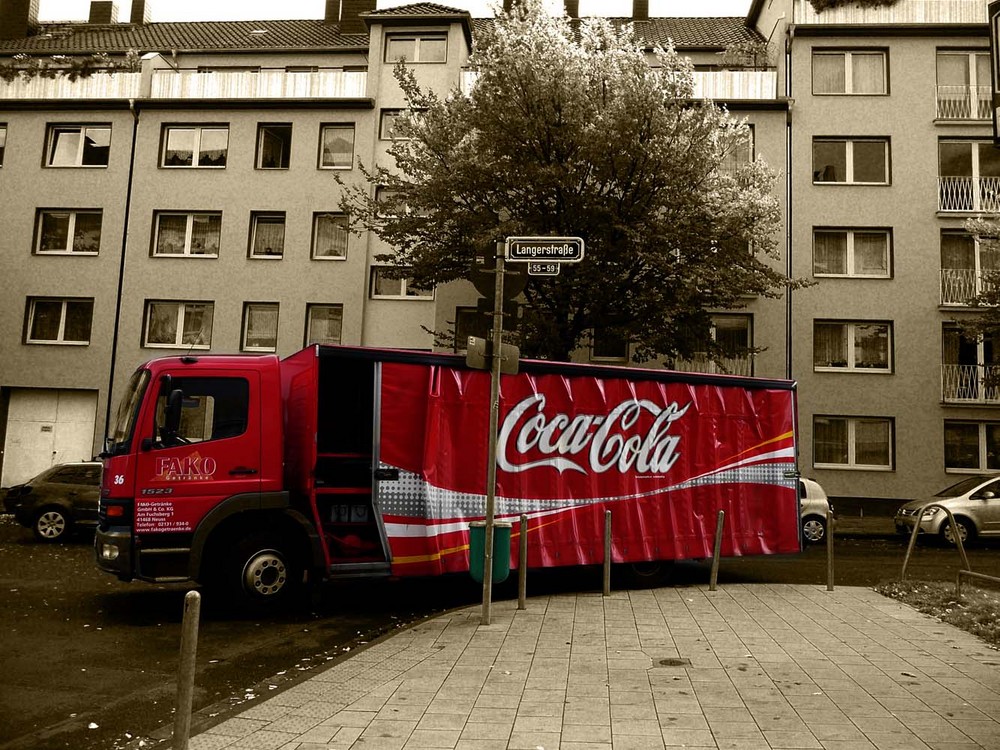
{"type": "Point", "coordinates": [815, 505]}
{"type": "Point", "coordinates": [975, 503]}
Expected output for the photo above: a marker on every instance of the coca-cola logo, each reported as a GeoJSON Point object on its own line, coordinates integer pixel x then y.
{"type": "Point", "coordinates": [602, 442]}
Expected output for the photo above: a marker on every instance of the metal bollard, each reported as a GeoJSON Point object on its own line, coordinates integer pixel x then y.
{"type": "Point", "coordinates": [717, 552]}
{"type": "Point", "coordinates": [522, 565]}
{"type": "Point", "coordinates": [185, 676]}
{"type": "Point", "coordinates": [607, 553]}
{"type": "Point", "coordinates": [829, 549]}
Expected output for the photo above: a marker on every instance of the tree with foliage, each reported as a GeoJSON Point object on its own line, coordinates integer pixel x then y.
{"type": "Point", "coordinates": [985, 324]}
{"type": "Point", "coordinates": [570, 130]}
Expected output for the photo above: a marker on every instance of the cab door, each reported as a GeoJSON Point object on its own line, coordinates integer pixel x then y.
{"type": "Point", "coordinates": [213, 454]}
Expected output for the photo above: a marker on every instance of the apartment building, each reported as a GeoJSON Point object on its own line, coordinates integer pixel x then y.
{"type": "Point", "coordinates": [187, 201]}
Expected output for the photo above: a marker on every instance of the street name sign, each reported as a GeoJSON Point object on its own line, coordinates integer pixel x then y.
{"type": "Point", "coordinates": [551, 249]}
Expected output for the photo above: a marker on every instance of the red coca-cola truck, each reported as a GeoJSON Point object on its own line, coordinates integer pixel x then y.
{"type": "Point", "coordinates": [259, 474]}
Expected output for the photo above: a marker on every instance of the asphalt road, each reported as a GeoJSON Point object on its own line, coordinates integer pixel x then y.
{"type": "Point", "coordinates": [89, 662]}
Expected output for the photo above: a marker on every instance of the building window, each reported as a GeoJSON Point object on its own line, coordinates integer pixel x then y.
{"type": "Point", "coordinates": [861, 253]}
{"type": "Point", "coordinates": [971, 446]}
{"type": "Point", "coordinates": [274, 144]}
{"type": "Point", "coordinates": [967, 365]}
{"type": "Point", "coordinates": [324, 324]}
{"type": "Point", "coordinates": [416, 48]}
{"type": "Point", "coordinates": [178, 324]}
{"type": "Point", "coordinates": [3, 141]}
{"type": "Point", "coordinates": [858, 161]}
{"type": "Point", "coordinates": [267, 234]}
{"type": "Point", "coordinates": [861, 346]}
{"type": "Point", "coordinates": [856, 72]}
{"type": "Point", "coordinates": [329, 236]}
{"type": "Point", "coordinates": [853, 443]}
{"type": "Point", "coordinates": [968, 176]}
{"type": "Point", "coordinates": [388, 129]}
{"type": "Point", "coordinates": [964, 89]}
{"type": "Point", "coordinates": [607, 345]}
{"type": "Point", "coordinates": [386, 283]}
{"type": "Point", "coordinates": [196, 147]}
{"type": "Point", "coordinates": [187, 234]}
{"type": "Point", "coordinates": [740, 156]}
{"type": "Point", "coordinates": [61, 232]}
{"type": "Point", "coordinates": [966, 267]}
{"type": "Point", "coordinates": [734, 336]}
{"type": "Point", "coordinates": [260, 326]}
{"type": "Point", "coordinates": [78, 146]}
{"type": "Point", "coordinates": [336, 147]}
{"type": "Point", "coordinates": [58, 321]}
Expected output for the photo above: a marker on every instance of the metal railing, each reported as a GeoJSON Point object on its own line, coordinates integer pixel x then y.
{"type": "Point", "coordinates": [964, 102]}
{"type": "Point", "coordinates": [959, 286]}
{"type": "Point", "coordinates": [728, 365]}
{"type": "Point", "coordinates": [969, 194]}
{"type": "Point", "coordinates": [917, 520]}
{"type": "Point", "coordinates": [265, 84]}
{"type": "Point", "coordinates": [96, 86]}
{"type": "Point", "coordinates": [910, 11]}
{"type": "Point", "coordinates": [965, 384]}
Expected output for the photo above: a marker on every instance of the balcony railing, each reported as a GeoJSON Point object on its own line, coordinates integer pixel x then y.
{"type": "Point", "coordinates": [964, 384]}
{"type": "Point", "coordinates": [729, 365]}
{"type": "Point", "coordinates": [969, 194]}
{"type": "Point", "coordinates": [907, 11]}
{"type": "Point", "coordinates": [959, 285]}
{"type": "Point", "coordinates": [265, 84]}
{"type": "Point", "coordinates": [720, 85]}
{"type": "Point", "coordinates": [95, 86]}
{"type": "Point", "coordinates": [964, 102]}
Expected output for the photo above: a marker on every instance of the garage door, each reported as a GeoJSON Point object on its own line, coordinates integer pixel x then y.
{"type": "Point", "coordinates": [45, 427]}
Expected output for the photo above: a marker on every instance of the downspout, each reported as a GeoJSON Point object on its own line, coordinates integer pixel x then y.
{"type": "Point", "coordinates": [121, 266]}
{"type": "Point", "coordinates": [788, 203]}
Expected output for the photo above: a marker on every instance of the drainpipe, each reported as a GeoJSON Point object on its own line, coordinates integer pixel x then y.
{"type": "Point", "coordinates": [788, 207]}
{"type": "Point", "coordinates": [121, 266]}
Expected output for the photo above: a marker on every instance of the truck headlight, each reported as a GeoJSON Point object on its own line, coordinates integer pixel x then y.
{"type": "Point", "coordinates": [109, 552]}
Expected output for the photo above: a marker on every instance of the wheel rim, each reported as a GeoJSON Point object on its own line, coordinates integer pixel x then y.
{"type": "Point", "coordinates": [51, 524]}
{"type": "Point", "coordinates": [949, 536]}
{"type": "Point", "coordinates": [813, 530]}
{"type": "Point", "coordinates": [265, 574]}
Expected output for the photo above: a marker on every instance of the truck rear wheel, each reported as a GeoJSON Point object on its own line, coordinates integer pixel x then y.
{"type": "Point", "coordinates": [263, 571]}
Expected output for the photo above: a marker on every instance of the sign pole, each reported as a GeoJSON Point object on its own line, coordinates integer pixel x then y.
{"type": "Point", "coordinates": [491, 467]}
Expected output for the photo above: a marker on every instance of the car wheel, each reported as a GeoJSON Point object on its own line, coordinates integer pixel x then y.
{"type": "Point", "coordinates": [51, 525]}
{"type": "Point", "coordinates": [966, 531]}
{"type": "Point", "coordinates": [813, 530]}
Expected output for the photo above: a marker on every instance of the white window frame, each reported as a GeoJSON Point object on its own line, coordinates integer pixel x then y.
{"type": "Point", "coordinates": [850, 251]}
{"type": "Point", "coordinates": [50, 141]}
{"type": "Point", "coordinates": [60, 340]}
{"type": "Point", "coordinates": [852, 444]}
{"type": "Point", "coordinates": [195, 148]}
{"type": "Point", "coordinates": [188, 234]}
{"type": "Point", "coordinates": [249, 309]}
{"type": "Point", "coordinates": [317, 217]}
{"type": "Point", "coordinates": [848, 60]}
{"type": "Point", "coordinates": [406, 291]}
{"type": "Point", "coordinates": [255, 217]}
{"type": "Point", "coordinates": [311, 308]}
{"type": "Point", "coordinates": [849, 328]}
{"type": "Point", "coordinates": [347, 126]}
{"type": "Point", "coordinates": [418, 38]}
{"type": "Point", "coordinates": [972, 69]}
{"type": "Point", "coordinates": [70, 230]}
{"type": "Point", "coordinates": [594, 334]}
{"type": "Point", "coordinates": [983, 446]}
{"type": "Point", "coordinates": [182, 311]}
{"type": "Point", "coordinates": [849, 159]}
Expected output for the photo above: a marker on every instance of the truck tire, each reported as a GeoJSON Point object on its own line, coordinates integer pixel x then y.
{"type": "Point", "coordinates": [51, 524]}
{"type": "Point", "coordinates": [263, 571]}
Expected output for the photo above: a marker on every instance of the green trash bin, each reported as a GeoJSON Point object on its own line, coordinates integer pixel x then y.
{"type": "Point", "coordinates": [501, 550]}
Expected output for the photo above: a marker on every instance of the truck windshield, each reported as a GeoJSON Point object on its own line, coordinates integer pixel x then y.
{"type": "Point", "coordinates": [120, 438]}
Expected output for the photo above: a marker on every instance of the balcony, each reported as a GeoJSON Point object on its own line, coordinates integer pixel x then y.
{"type": "Point", "coordinates": [964, 102]}
{"type": "Point", "coordinates": [964, 384]}
{"type": "Point", "coordinates": [906, 12]}
{"type": "Point", "coordinates": [96, 86]}
{"type": "Point", "coordinates": [718, 85]}
{"type": "Point", "coordinates": [960, 285]}
{"type": "Point", "coordinates": [332, 83]}
{"type": "Point", "coordinates": [969, 194]}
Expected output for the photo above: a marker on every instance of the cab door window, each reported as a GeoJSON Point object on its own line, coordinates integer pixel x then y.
{"type": "Point", "coordinates": [211, 409]}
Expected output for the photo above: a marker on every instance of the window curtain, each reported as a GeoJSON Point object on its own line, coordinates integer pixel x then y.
{"type": "Point", "coordinates": [871, 346]}
{"type": "Point", "coordinates": [205, 232]}
{"type": "Point", "coordinates": [829, 76]}
{"type": "Point", "coordinates": [331, 236]}
{"type": "Point", "coordinates": [830, 252]}
{"type": "Point", "coordinates": [871, 253]}
{"type": "Point", "coordinates": [830, 345]}
{"type": "Point", "coordinates": [262, 326]}
{"type": "Point", "coordinates": [269, 236]}
{"type": "Point", "coordinates": [830, 440]}
{"type": "Point", "coordinates": [867, 73]}
{"type": "Point", "coordinates": [871, 442]}
{"type": "Point", "coordinates": [197, 325]}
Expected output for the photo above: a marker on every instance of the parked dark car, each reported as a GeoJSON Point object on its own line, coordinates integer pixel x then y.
{"type": "Point", "coordinates": [57, 501]}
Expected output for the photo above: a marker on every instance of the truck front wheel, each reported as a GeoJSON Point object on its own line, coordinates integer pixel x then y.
{"type": "Point", "coordinates": [262, 570]}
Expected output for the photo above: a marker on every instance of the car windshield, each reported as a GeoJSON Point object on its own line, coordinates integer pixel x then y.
{"type": "Point", "coordinates": [966, 485]}
{"type": "Point", "coordinates": [128, 412]}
